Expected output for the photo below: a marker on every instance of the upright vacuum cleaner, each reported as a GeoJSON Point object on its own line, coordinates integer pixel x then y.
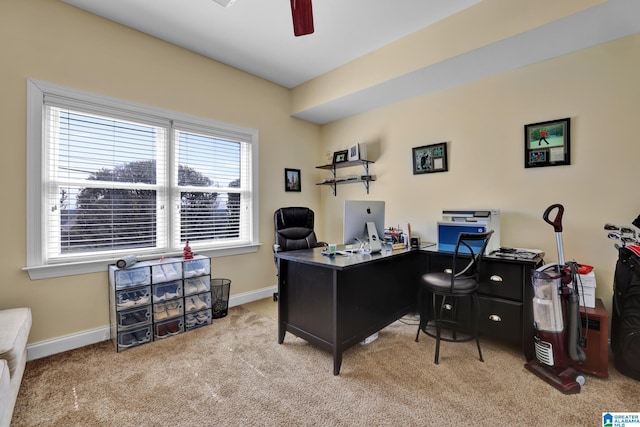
{"type": "Point", "coordinates": [556, 319]}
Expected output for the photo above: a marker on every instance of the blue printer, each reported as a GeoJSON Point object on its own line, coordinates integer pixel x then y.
{"type": "Point", "coordinates": [455, 222]}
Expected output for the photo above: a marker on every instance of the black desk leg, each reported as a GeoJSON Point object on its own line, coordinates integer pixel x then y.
{"type": "Point", "coordinates": [337, 336]}
{"type": "Point", "coordinates": [337, 362]}
{"type": "Point", "coordinates": [283, 301]}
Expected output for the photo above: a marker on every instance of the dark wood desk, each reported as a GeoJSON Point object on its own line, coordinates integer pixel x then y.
{"type": "Point", "coordinates": [334, 303]}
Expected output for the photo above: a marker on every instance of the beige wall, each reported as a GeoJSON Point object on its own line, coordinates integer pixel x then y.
{"type": "Point", "coordinates": [482, 122]}
{"type": "Point", "coordinates": [487, 22]}
{"type": "Point", "coordinates": [51, 41]}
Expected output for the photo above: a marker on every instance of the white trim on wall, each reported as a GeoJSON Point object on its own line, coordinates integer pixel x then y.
{"type": "Point", "coordinates": [37, 266]}
{"type": "Point", "coordinates": [92, 336]}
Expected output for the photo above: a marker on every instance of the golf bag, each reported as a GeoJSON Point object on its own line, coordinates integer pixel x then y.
{"type": "Point", "coordinates": [625, 320]}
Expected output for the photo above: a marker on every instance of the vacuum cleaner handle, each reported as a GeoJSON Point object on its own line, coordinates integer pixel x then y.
{"type": "Point", "coordinates": [557, 222]}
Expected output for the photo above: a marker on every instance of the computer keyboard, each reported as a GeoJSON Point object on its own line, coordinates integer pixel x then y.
{"type": "Point", "coordinates": [346, 253]}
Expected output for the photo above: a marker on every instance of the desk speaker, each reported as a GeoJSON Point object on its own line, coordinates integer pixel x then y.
{"type": "Point", "coordinates": [415, 243]}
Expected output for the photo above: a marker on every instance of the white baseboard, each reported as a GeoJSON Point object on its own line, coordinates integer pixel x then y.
{"type": "Point", "coordinates": [67, 342]}
{"type": "Point", "coordinates": [80, 339]}
{"type": "Point", "coordinates": [256, 295]}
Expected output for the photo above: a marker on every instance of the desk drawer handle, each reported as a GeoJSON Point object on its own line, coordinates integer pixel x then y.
{"type": "Point", "coordinates": [448, 270]}
{"type": "Point", "coordinates": [495, 318]}
{"type": "Point", "coordinates": [495, 278]}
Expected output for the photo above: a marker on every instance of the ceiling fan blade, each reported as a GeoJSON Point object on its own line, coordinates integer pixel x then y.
{"type": "Point", "coordinates": [302, 14]}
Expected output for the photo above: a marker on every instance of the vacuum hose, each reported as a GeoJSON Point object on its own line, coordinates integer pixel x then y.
{"type": "Point", "coordinates": [576, 352]}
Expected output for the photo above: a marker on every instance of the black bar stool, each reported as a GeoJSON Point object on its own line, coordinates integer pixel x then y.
{"type": "Point", "coordinates": [448, 289]}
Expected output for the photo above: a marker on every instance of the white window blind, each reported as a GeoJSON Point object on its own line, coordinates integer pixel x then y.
{"type": "Point", "coordinates": [214, 187]}
{"type": "Point", "coordinates": [122, 178]}
{"type": "Point", "coordinates": [105, 188]}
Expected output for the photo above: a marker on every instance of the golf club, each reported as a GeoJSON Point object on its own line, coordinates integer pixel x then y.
{"type": "Point", "coordinates": [627, 230]}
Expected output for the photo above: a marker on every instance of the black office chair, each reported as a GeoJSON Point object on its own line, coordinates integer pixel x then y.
{"type": "Point", "coordinates": [451, 288]}
{"type": "Point", "coordinates": [294, 230]}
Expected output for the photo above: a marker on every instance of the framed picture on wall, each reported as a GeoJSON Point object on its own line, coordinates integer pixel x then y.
{"type": "Point", "coordinates": [292, 180]}
{"type": "Point", "coordinates": [430, 158]}
{"type": "Point", "coordinates": [341, 156]}
{"type": "Point", "coordinates": [547, 143]}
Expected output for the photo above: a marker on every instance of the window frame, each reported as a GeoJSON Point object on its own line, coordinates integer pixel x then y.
{"type": "Point", "coordinates": [36, 146]}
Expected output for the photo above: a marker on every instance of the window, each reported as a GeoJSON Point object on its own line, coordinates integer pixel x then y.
{"type": "Point", "coordinates": [107, 178]}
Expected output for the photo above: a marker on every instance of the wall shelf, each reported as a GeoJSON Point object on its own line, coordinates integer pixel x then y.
{"type": "Point", "coordinates": [335, 180]}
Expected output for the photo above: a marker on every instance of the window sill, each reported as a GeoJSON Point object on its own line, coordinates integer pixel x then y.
{"type": "Point", "coordinates": [101, 266]}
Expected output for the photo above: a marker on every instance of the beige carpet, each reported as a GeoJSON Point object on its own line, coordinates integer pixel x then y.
{"type": "Point", "coordinates": [234, 373]}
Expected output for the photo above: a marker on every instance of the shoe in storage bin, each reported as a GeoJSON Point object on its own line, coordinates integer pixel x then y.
{"type": "Point", "coordinates": [166, 272]}
{"type": "Point", "coordinates": [197, 302]}
{"type": "Point", "coordinates": [168, 328]}
{"type": "Point", "coordinates": [167, 291]}
{"type": "Point", "coordinates": [198, 266]}
{"type": "Point", "coordinates": [134, 317]}
{"type": "Point", "coordinates": [131, 298]}
{"type": "Point", "coordinates": [220, 297]}
{"type": "Point", "coordinates": [134, 337]}
{"type": "Point", "coordinates": [197, 285]}
{"type": "Point", "coordinates": [197, 319]}
{"type": "Point", "coordinates": [167, 310]}
{"type": "Point", "coordinates": [129, 277]}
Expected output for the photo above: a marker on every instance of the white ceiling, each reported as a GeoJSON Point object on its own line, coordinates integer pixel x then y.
{"type": "Point", "coordinates": [256, 36]}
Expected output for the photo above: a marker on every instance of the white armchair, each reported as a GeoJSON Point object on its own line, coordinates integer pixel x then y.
{"type": "Point", "coordinates": [15, 325]}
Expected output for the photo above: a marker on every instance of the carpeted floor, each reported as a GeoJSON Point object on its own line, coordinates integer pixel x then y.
{"type": "Point", "coordinates": [234, 373]}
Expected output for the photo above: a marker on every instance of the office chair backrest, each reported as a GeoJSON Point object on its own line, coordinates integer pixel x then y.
{"type": "Point", "coordinates": [468, 244]}
{"type": "Point", "coordinates": [294, 229]}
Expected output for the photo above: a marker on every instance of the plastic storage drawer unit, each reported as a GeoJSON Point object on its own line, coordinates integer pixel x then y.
{"type": "Point", "coordinates": [166, 272]}
{"type": "Point", "coordinates": [132, 298]}
{"type": "Point", "coordinates": [134, 337]}
{"type": "Point", "coordinates": [197, 302]}
{"type": "Point", "coordinates": [134, 317]}
{"type": "Point", "coordinates": [197, 285]}
{"type": "Point", "coordinates": [198, 266]}
{"type": "Point", "coordinates": [131, 277]}
{"type": "Point", "coordinates": [167, 291]}
{"type": "Point", "coordinates": [168, 328]}
{"type": "Point", "coordinates": [197, 319]}
{"type": "Point", "coordinates": [167, 310]}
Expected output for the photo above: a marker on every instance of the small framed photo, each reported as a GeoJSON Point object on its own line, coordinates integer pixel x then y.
{"type": "Point", "coordinates": [357, 152]}
{"type": "Point", "coordinates": [341, 156]}
{"type": "Point", "coordinates": [292, 180]}
{"type": "Point", "coordinates": [430, 158]}
{"type": "Point", "coordinates": [547, 143]}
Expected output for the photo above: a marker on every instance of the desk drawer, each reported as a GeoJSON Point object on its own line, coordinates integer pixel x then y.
{"type": "Point", "coordinates": [442, 263]}
{"type": "Point", "coordinates": [501, 318]}
{"type": "Point", "coordinates": [497, 279]}
{"type": "Point", "coordinates": [501, 279]}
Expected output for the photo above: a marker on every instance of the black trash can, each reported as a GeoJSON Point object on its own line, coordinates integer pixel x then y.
{"type": "Point", "coordinates": [219, 297]}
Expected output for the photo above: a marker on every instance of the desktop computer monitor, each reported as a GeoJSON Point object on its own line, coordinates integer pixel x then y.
{"type": "Point", "coordinates": [356, 215]}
